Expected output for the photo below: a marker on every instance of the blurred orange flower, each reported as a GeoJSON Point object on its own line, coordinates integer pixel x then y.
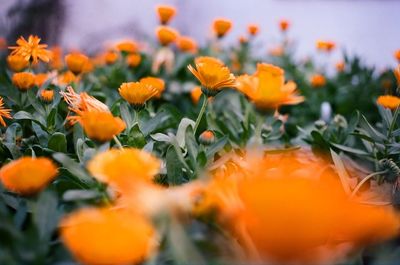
{"type": "Point", "coordinates": [267, 88]}
{"type": "Point", "coordinates": [207, 137]}
{"type": "Point", "coordinates": [388, 101]}
{"type": "Point", "coordinates": [318, 80]}
{"type": "Point", "coordinates": [137, 93]}
{"type": "Point", "coordinates": [396, 73]}
{"type": "Point", "coordinates": [47, 95]}
{"type": "Point", "coordinates": [186, 44]}
{"type": "Point", "coordinates": [326, 46]}
{"type": "Point", "coordinates": [56, 61]}
{"type": "Point", "coordinates": [397, 55]}
{"type": "Point", "coordinates": [110, 57]}
{"type": "Point", "coordinates": [340, 66]}
{"type": "Point", "coordinates": [134, 59]}
{"type": "Point", "coordinates": [66, 78]}
{"type": "Point", "coordinates": [107, 236]}
{"type": "Point", "coordinates": [253, 29]}
{"type": "Point", "coordinates": [23, 81]}
{"type": "Point", "coordinates": [166, 35]}
{"type": "Point", "coordinates": [4, 113]}
{"type": "Point", "coordinates": [76, 62]}
{"type": "Point", "coordinates": [243, 40]}
{"type": "Point", "coordinates": [195, 94]}
{"type": "Point", "coordinates": [17, 63]}
{"type": "Point", "coordinates": [284, 25]}
{"type": "Point", "coordinates": [101, 126]}
{"type": "Point", "coordinates": [127, 46]}
{"type": "Point", "coordinates": [221, 27]}
{"type": "Point", "coordinates": [31, 50]}
{"type": "Point", "coordinates": [155, 82]}
{"type": "Point", "coordinates": [165, 13]}
{"type": "Point", "coordinates": [277, 51]}
{"type": "Point", "coordinates": [40, 79]}
{"type": "Point", "coordinates": [27, 175]}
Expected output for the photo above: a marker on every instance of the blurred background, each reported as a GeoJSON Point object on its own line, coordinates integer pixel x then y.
{"type": "Point", "coordinates": [369, 28]}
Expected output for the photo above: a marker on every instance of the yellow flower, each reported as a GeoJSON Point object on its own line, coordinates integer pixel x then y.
{"type": "Point", "coordinates": [101, 126]}
{"type": "Point", "coordinates": [326, 46]}
{"type": "Point", "coordinates": [212, 74]}
{"type": "Point", "coordinates": [134, 59]}
{"type": "Point", "coordinates": [17, 63]}
{"type": "Point", "coordinates": [4, 113]}
{"type": "Point", "coordinates": [388, 101]}
{"type": "Point", "coordinates": [165, 13]}
{"type": "Point", "coordinates": [253, 29]}
{"type": "Point", "coordinates": [76, 62]}
{"type": "Point", "coordinates": [186, 44]}
{"type": "Point", "coordinates": [166, 35]}
{"type": "Point", "coordinates": [47, 95]}
{"type": "Point", "coordinates": [127, 46]}
{"type": "Point", "coordinates": [318, 80]}
{"type": "Point", "coordinates": [124, 168]}
{"type": "Point", "coordinates": [195, 94]}
{"type": "Point", "coordinates": [137, 93]}
{"type": "Point", "coordinates": [158, 83]}
{"type": "Point", "coordinates": [267, 88]}
{"type": "Point", "coordinates": [23, 81]}
{"type": "Point", "coordinates": [221, 27]}
{"type": "Point", "coordinates": [31, 49]}
{"type": "Point", "coordinates": [107, 236]}
{"type": "Point", "coordinates": [28, 175]}
{"type": "Point", "coordinates": [284, 25]}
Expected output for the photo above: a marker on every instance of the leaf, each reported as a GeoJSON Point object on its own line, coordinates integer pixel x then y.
{"type": "Point", "coordinates": [73, 167]}
{"type": "Point", "coordinates": [160, 137]}
{"type": "Point", "coordinates": [370, 130]}
{"type": "Point", "coordinates": [192, 147]}
{"type": "Point", "coordinates": [77, 195]}
{"type": "Point", "coordinates": [51, 119]}
{"type": "Point", "coordinates": [216, 147]}
{"type": "Point", "coordinates": [350, 149]}
{"type": "Point", "coordinates": [126, 114]}
{"type": "Point", "coordinates": [45, 214]}
{"type": "Point", "coordinates": [58, 142]}
{"type": "Point", "coordinates": [180, 134]}
{"type": "Point", "coordinates": [341, 170]}
{"type": "Point", "coordinates": [174, 167]}
{"type": "Point", "coordinates": [136, 137]}
{"type": "Point", "coordinates": [23, 115]}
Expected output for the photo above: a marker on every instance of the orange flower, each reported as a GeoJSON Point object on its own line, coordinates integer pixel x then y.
{"type": "Point", "coordinates": [186, 44]}
{"type": "Point", "coordinates": [284, 25]}
{"type": "Point", "coordinates": [56, 61]}
{"type": "Point", "coordinates": [127, 46]}
{"type": "Point", "coordinates": [134, 59]}
{"type": "Point", "coordinates": [195, 94]}
{"type": "Point", "coordinates": [253, 29]}
{"type": "Point", "coordinates": [47, 95]}
{"type": "Point", "coordinates": [165, 13]}
{"type": "Point", "coordinates": [4, 113]}
{"type": "Point", "coordinates": [243, 40]}
{"type": "Point", "coordinates": [110, 57]}
{"type": "Point", "coordinates": [396, 73]}
{"type": "Point", "coordinates": [277, 51]}
{"type": "Point", "coordinates": [23, 81]}
{"type": "Point", "coordinates": [107, 236]}
{"type": "Point", "coordinates": [318, 80]}
{"type": "Point", "coordinates": [28, 175]}
{"type": "Point", "coordinates": [76, 62]}
{"type": "Point", "coordinates": [221, 27]}
{"type": "Point", "coordinates": [31, 49]}
{"type": "Point", "coordinates": [155, 82]}
{"type": "Point", "coordinates": [101, 126]}
{"type": "Point", "coordinates": [326, 46]}
{"type": "Point", "coordinates": [207, 137]}
{"type": "Point", "coordinates": [340, 66]}
{"type": "Point", "coordinates": [397, 55]}
{"type": "Point", "coordinates": [40, 79]}
{"type": "Point", "coordinates": [137, 93]}
{"type": "Point", "coordinates": [17, 63]}
{"type": "Point", "coordinates": [388, 101]}
{"type": "Point", "coordinates": [267, 88]}
{"type": "Point", "coordinates": [124, 168]}
{"type": "Point", "coordinates": [212, 74]}
{"type": "Point", "coordinates": [166, 35]}
{"type": "Point", "coordinates": [66, 78]}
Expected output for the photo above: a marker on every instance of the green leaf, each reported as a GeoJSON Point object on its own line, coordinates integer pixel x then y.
{"type": "Point", "coordinates": [58, 142]}
{"type": "Point", "coordinates": [136, 137]}
{"type": "Point", "coordinates": [174, 167]}
{"type": "Point", "coordinates": [350, 149]}
{"type": "Point", "coordinates": [216, 147]}
{"type": "Point", "coordinates": [370, 130]}
{"type": "Point", "coordinates": [180, 134]}
{"type": "Point", "coordinates": [341, 170]}
{"type": "Point", "coordinates": [73, 167]}
{"type": "Point", "coordinates": [126, 114]}
{"type": "Point", "coordinates": [45, 214]}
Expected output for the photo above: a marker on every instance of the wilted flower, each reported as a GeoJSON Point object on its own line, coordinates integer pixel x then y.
{"type": "Point", "coordinates": [284, 25]}
{"type": "Point", "coordinates": [127, 46]}
{"type": "Point", "coordinates": [28, 175]}
{"type": "Point", "coordinates": [388, 101]}
{"type": "Point", "coordinates": [76, 62]}
{"type": "Point", "coordinates": [155, 82]}
{"type": "Point", "coordinates": [221, 27]}
{"type": "Point", "coordinates": [267, 88]}
{"type": "Point", "coordinates": [4, 113]}
{"type": "Point", "coordinates": [165, 13]}
{"type": "Point", "coordinates": [31, 49]}
{"type": "Point", "coordinates": [23, 81]}
{"type": "Point", "coordinates": [318, 80]}
{"type": "Point", "coordinates": [17, 63]}
{"type": "Point", "coordinates": [253, 29]}
{"type": "Point", "coordinates": [166, 35]}
{"type": "Point", "coordinates": [107, 236]}
{"type": "Point", "coordinates": [195, 94]}
{"type": "Point", "coordinates": [137, 93]}
{"type": "Point", "coordinates": [47, 95]}
{"type": "Point", "coordinates": [186, 44]}
{"type": "Point", "coordinates": [326, 46]}
{"type": "Point", "coordinates": [101, 126]}
{"type": "Point", "coordinates": [133, 60]}
{"type": "Point", "coordinates": [212, 74]}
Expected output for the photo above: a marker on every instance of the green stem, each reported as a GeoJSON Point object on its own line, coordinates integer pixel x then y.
{"type": "Point", "coordinates": [118, 142]}
{"type": "Point", "coordinates": [362, 182]}
{"type": "Point", "coordinates": [201, 113]}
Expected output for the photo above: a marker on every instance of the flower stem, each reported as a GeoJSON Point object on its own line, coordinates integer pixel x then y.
{"type": "Point", "coordinates": [370, 176]}
{"type": "Point", "coordinates": [201, 113]}
{"type": "Point", "coordinates": [393, 123]}
{"type": "Point", "coordinates": [118, 142]}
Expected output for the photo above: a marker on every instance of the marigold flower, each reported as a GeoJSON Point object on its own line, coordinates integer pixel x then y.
{"type": "Point", "coordinates": [40, 79]}
{"type": "Point", "coordinates": [318, 80]}
{"type": "Point", "coordinates": [221, 27]}
{"type": "Point", "coordinates": [253, 29]}
{"type": "Point", "coordinates": [243, 40]}
{"type": "Point", "coordinates": [107, 236]}
{"type": "Point", "coordinates": [186, 44]}
{"type": "Point", "coordinates": [17, 63]}
{"type": "Point", "coordinates": [388, 101]}
{"type": "Point", "coordinates": [137, 93]}
{"type": "Point", "coordinates": [396, 73]}
{"type": "Point", "coordinates": [165, 13]}
{"type": "Point", "coordinates": [101, 126]}
{"type": "Point", "coordinates": [195, 94]}
{"type": "Point", "coordinates": [397, 55]}
{"type": "Point", "coordinates": [31, 49]}
{"type": "Point", "coordinates": [284, 25]}
{"type": "Point", "coordinates": [66, 78]}
{"type": "Point", "coordinates": [326, 46]}
{"type": "Point", "coordinates": [267, 88]}
{"type": "Point", "coordinates": [207, 137]}
{"type": "Point", "coordinates": [56, 61]}
{"type": "Point", "coordinates": [4, 113]}
{"type": "Point", "coordinates": [340, 66]}
{"type": "Point", "coordinates": [134, 59]}
{"type": "Point", "coordinates": [166, 35]}
{"type": "Point", "coordinates": [76, 62]}
{"type": "Point", "coordinates": [277, 51]}
{"type": "Point", "coordinates": [127, 46]}
{"type": "Point", "coordinates": [28, 175]}
{"type": "Point", "coordinates": [124, 168]}
{"type": "Point", "coordinates": [155, 82]}
{"type": "Point", "coordinates": [47, 95]}
{"type": "Point", "coordinates": [212, 74]}
{"type": "Point", "coordinates": [23, 81]}
{"type": "Point", "coordinates": [110, 57]}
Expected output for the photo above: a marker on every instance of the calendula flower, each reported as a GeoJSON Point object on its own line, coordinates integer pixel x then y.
{"type": "Point", "coordinates": [124, 168]}
{"type": "Point", "coordinates": [66, 78]}
{"type": "Point", "coordinates": [318, 80]}
{"type": "Point", "coordinates": [133, 60]}
{"type": "Point", "coordinates": [326, 46]}
{"type": "Point", "coordinates": [277, 51]}
{"type": "Point", "coordinates": [28, 175]}
{"type": "Point", "coordinates": [267, 88]}
{"type": "Point", "coordinates": [101, 126]}
{"type": "Point", "coordinates": [284, 25]}
{"type": "Point", "coordinates": [158, 83]}
{"type": "Point", "coordinates": [165, 13]}
{"type": "Point", "coordinates": [166, 35]}
{"type": "Point", "coordinates": [4, 113]}
{"type": "Point", "coordinates": [253, 29]}
{"type": "Point", "coordinates": [76, 62]}
{"type": "Point", "coordinates": [40, 79]}
{"type": "Point", "coordinates": [47, 95]}
{"type": "Point", "coordinates": [221, 27]}
{"type": "Point", "coordinates": [110, 57]}
{"type": "Point", "coordinates": [23, 81]}
{"type": "Point", "coordinates": [31, 49]}
{"type": "Point", "coordinates": [212, 74]}
{"type": "Point", "coordinates": [243, 40]}
{"type": "Point", "coordinates": [207, 137]}
{"type": "Point", "coordinates": [107, 236]}
{"type": "Point", "coordinates": [56, 61]}
{"type": "Point", "coordinates": [17, 63]}
{"type": "Point", "coordinates": [396, 73]}
{"type": "Point", "coordinates": [137, 93]}
{"type": "Point", "coordinates": [397, 55]}
{"type": "Point", "coordinates": [340, 66]}
{"type": "Point", "coordinates": [186, 44]}
{"type": "Point", "coordinates": [388, 101]}
{"type": "Point", "coordinates": [195, 94]}
{"type": "Point", "coordinates": [127, 46]}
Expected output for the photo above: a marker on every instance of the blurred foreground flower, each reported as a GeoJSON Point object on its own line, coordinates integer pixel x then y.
{"type": "Point", "coordinates": [4, 113]}
{"type": "Point", "coordinates": [388, 101]}
{"type": "Point", "coordinates": [195, 94]}
{"type": "Point", "coordinates": [31, 49]}
{"type": "Point", "coordinates": [397, 55]}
